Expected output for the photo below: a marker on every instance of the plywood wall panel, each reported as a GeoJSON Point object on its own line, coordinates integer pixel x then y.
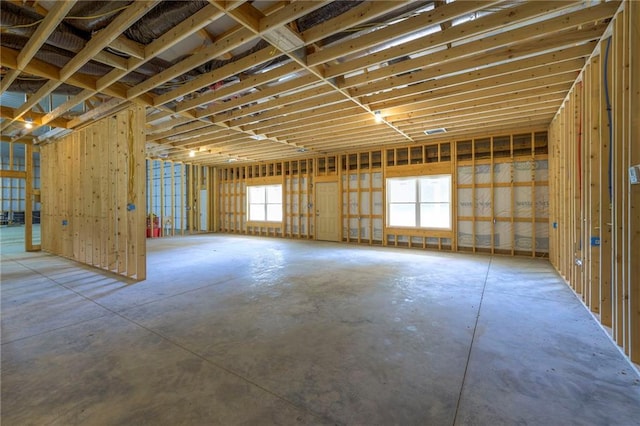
{"type": "Point", "coordinates": [93, 195]}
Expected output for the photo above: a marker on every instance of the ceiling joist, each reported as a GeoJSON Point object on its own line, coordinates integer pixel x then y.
{"type": "Point", "coordinates": [249, 81]}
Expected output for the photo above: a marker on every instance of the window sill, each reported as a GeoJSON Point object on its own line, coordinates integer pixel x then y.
{"type": "Point", "coordinates": [419, 232]}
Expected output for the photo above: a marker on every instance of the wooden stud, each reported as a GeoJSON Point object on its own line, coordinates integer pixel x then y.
{"type": "Point", "coordinates": [28, 199]}
{"type": "Point", "coordinates": [632, 107]}
{"type": "Point", "coordinates": [608, 278]}
{"type": "Point", "coordinates": [606, 310]}
{"type": "Point", "coordinates": [111, 193]}
{"type": "Point", "coordinates": [620, 185]}
{"type": "Point", "coordinates": [595, 179]}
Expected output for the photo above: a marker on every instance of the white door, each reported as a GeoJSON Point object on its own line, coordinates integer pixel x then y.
{"type": "Point", "coordinates": [327, 215]}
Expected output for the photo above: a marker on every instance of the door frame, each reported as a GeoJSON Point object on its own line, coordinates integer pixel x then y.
{"type": "Point", "coordinates": [30, 194]}
{"type": "Point", "coordinates": [332, 180]}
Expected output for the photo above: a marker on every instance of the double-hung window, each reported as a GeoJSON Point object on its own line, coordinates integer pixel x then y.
{"type": "Point", "coordinates": [419, 202]}
{"type": "Point", "coordinates": [264, 203]}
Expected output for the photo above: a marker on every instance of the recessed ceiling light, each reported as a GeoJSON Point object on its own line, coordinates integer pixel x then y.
{"type": "Point", "coordinates": [192, 153]}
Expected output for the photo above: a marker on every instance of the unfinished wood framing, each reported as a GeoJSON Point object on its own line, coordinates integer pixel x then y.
{"type": "Point", "coordinates": [93, 195]}
{"type": "Point", "coordinates": [451, 76]}
{"type": "Point", "coordinates": [296, 179]}
{"type": "Point", "coordinates": [353, 95]}
{"type": "Point", "coordinates": [507, 176]}
{"type": "Point", "coordinates": [362, 197]}
{"type": "Point", "coordinates": [173, 189]}
{"type": "Point", "coordinates": [502, 192]}
{"type": "Point", "coordinates": [13, 175]}
{"type": "Point", "coordinates": [594, 208]}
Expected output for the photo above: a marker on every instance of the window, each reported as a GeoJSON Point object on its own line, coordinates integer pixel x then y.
{"type": "Point", "coordinates": [419, 202]}
{"type": "Point", "coordinates": [264, 203]}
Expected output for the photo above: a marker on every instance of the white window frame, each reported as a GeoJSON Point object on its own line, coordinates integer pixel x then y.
{"type": "Point", "coordinates": [418, 204]}
{"type": "Point", "coordinates": [268, 206]}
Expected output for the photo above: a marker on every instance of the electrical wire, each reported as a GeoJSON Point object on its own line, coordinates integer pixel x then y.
{"type": "Point", "coordinates": [101, 15]}
{"type": "Point", "coordinates": [32, 78]}
{"type": "Point", "coordinates": [132, 166]}
{"type": "Point", "coordinates": [580, 87]}
{"type": "Point", "coordinates": [13, 27]}
{"type": "Point", "coordinates": [34, 23]}
{"type": "Point", "coordinates": [609, 118]}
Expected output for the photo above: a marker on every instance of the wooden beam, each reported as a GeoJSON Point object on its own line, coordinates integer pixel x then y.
{"type": "Point", "coordinates": [363, 12]}
{"type": "Point", "coordinates": [55, 15]}
{"type": "Point", "coordinates": [99, 111]}
{"type": "Point", "coordinates": [633, 37]}
{"type": "Point", "coordinates": [12, 174]}
{"type": "Point", "coordinates": [387, 33]}
{"type": "Point", "coordinates": [498, 107]}
{"type": "Point", "coordinates": [470, 55]}
{"type": "Point", "coordinates": [212, 77]}
{"type": "Point", "coordinates": [91, 48]}
{"type": "Point", "coordinates": [318, 74]}
{"type": "Point", "coordinates": [214, 50]}
{"type": "Point", "coordinates": [302, 121]}
{"type": "Point", "coordinates": [287, 14]}
{"type": "Point", "coordinates": [245, 14]}
{"type": "Point", "coordinates": [8, 78]}
{"type": "Point", "coordinates": [176, 131]}
{"type": "Point", "coordinates": [102, 39]}
{"type": "Point", "coordinates": [271, 91]}
{"type": "Point", "coordinates": [477, 27]}
{"type": "Point", "coordinates": [488, 77]}
{"type": "Point", "coordinates": [455, 67]}
{"type": "Point", "coordinates": [126, 45]}
{"type": "Point", "coordinates": [278, 104]}
{"type": "Point", "coordinates": [450, 95]}
{"type": "Point", "coordinates": [281, 110]}
{"type": "Point", "coordinates": [39, 37]}
{"type": "Point", "coordinates": [35, 117]}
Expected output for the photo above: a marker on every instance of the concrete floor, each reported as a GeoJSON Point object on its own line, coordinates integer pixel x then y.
{"type": "Point", "coordinates": [237, 330]}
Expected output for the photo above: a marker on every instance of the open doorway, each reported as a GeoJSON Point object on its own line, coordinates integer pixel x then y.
{"type": "Point", "coordinates": [20, 196]}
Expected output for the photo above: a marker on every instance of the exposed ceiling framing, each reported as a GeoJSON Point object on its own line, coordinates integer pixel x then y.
{"type": "Point", "coordinates": [269, 80]}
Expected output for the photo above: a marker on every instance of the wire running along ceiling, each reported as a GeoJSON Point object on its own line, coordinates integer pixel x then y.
{"type": "Point", "coordinates": [256, 80]}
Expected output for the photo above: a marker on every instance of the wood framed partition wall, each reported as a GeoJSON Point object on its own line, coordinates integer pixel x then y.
{"type": "Point", "coordinates": [595, 211]}
{"type": "Point", "coordinates": [499, 196]}
{"type": "Point", "coordinates": [175, 195]}
{"type": "Point", "coordinates": [296, 177]}
{"type": "Point", "coordinates": [93, 186]}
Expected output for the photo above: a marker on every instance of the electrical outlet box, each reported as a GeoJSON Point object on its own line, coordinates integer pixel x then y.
{"type": "Point", "coordinates": [634, 174]}
{"type": "Point", "coordinates": [595, 241]}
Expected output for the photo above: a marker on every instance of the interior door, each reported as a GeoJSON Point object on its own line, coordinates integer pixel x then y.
{"type": "Point", "coordinates": [327, 213]}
